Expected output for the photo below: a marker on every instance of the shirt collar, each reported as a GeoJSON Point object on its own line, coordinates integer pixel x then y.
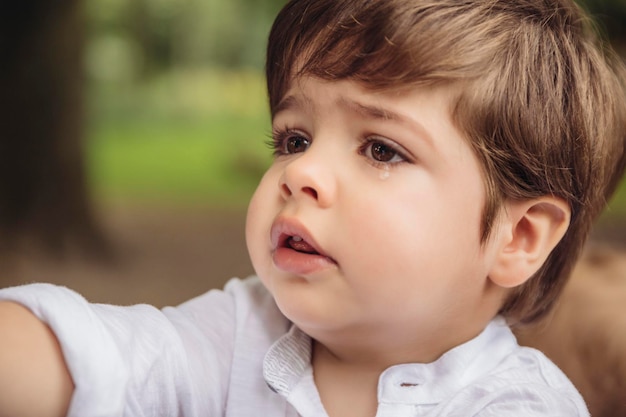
{"type": "Point", "coordinates": [288, 361]}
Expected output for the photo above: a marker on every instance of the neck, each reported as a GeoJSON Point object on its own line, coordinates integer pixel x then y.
{"type": "Point", "coordinates": [346, 388]}
{"type": "Point", "coordinates": [377, 346]}
{"type": "Point", "coordinates": [374, 350]}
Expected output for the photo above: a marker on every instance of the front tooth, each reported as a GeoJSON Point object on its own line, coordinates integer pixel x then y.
{"type": "Point", "coordinates": [296, 238]}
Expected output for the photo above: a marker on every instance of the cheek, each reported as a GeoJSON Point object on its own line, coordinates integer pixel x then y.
{"type": "Point", "coordinates": [252, 220]}
{"type": "Point", "coordinates": [258, 222]}
{"type": "Point", "coordinates": [410, 234]}
{"type": "Point", "coordinates": [386, 237]}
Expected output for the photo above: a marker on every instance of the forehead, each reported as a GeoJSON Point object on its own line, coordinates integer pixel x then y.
{"type": "Point", "coordinates": [363, 99]}
{"type": "Point", "coordinates": [367, 104]}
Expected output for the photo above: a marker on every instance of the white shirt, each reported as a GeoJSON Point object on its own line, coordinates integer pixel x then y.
{"type": "Point", "coordinates": [232, 353]}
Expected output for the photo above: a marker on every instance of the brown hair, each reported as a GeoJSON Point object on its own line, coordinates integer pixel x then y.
{"type": "Point", "coordinates": [541, 101]}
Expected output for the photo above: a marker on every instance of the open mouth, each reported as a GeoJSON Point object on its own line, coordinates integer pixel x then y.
{"type": "Point", "coordinates": [302, 245]}
{"type": "Point", "coordinates": [297, 243]}
{"type": "Point", "coordinates": [295, 250]}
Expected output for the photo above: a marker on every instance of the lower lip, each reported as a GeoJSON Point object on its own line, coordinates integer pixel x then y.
{"type": "Point", "coordinates": [299, 263]}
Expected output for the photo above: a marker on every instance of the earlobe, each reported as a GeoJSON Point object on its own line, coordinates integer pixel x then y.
{"type": "Point", "coordinates": [529, 231]}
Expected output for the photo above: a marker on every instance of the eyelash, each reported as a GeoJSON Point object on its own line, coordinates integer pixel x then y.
{"type": "Point", "coordinates": [279, 136]}
{"type": "Point", "coordinates": [398, 152]}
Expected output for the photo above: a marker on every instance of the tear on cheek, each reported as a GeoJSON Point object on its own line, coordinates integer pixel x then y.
{"type": "Point", "coordinates": [384, 174]}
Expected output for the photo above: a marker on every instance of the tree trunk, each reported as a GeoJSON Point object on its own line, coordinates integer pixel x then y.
{"type": "Point", "coordinates": [43, 191]}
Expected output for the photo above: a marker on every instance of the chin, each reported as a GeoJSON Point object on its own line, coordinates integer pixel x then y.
{"type": "Point", "coordinates": [307, 315]}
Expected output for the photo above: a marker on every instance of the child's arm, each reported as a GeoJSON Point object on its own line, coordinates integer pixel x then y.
{"type": "Point", "coordinates": [34, 380]}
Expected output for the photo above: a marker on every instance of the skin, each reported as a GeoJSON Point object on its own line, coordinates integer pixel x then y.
{"type": "Point", "coordinates": [34, 380]}
{"type": "Point", "coordinates": [387, 195]}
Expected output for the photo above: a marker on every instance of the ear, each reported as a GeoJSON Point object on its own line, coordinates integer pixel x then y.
{"type": "Point", "coordinates": [528, 232]}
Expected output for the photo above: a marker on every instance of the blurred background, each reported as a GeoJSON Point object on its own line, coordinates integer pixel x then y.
{"type": "Point", "coordinates": [132, 136]}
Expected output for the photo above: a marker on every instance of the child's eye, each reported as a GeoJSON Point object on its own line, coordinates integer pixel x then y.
{"type": "Point", "coordinates": [380, 151]}
{"type": "Point", "coordinates": [296, 144]}
{"type": "Point", "coordinates": [287, 142]}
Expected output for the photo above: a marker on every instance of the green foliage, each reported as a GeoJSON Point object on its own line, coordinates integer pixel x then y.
{"type": "Point", "coordinates": [167, 119]}
{"type": "Point", "coordinates": [151, 36]}
{"type": "Point", "coordinates": [171, 161]}
{"type": "Point", "coordinates": [187, 137]}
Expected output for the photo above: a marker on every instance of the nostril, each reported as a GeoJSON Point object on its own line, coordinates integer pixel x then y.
{"type": "Point", "coordinates": [310, 191]}
{"type": "Point", "coordinates": [285, 189]}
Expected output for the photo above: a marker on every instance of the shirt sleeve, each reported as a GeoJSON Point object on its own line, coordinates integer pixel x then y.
{"type": "Point", "coordinates": [139, 361]}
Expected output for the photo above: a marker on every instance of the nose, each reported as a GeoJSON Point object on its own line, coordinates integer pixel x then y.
{"type": "Point", "coordinates": [310, 177]}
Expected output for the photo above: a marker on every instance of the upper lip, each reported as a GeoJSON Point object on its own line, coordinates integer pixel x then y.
{"type": "Point", "coordinates": [284, 228]}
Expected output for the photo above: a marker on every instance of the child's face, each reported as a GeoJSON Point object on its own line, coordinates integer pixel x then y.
{"type": "Point", "coordinates": [369, 218]}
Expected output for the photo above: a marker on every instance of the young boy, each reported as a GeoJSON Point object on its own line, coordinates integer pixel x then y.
{"type": "Point", "coordinates": [437, 168]}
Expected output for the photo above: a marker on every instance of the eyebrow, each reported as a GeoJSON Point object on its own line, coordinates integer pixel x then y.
{"type": "Point", "coordinates": [381, 113]}
{"type": "Point", "coordinates": [293, 102]}
{"type": "Point", "coordinates": [374, 112]}
{"type": "Point", "coordinates": [363, 110]}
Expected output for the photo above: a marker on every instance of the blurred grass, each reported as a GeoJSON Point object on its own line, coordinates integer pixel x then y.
{"type": "Point", "coordinates": [187, 137]}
